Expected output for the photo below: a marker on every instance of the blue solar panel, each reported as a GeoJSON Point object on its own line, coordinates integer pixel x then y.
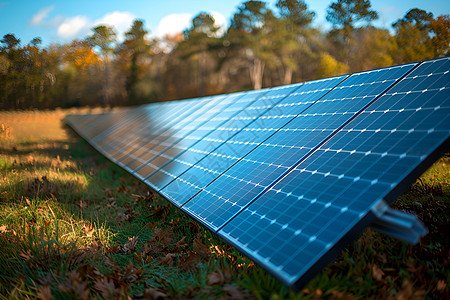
{"type": "Point", "coordinates": [287, 174]}
{"type": "Point", "coordinates": [305, 214]}
{"type": "Point", "coordinates": [185, 153]}
{"type": "Point", "coordinates": [281, 105]}
{"type": "Point", "coordinates": [255, 172]}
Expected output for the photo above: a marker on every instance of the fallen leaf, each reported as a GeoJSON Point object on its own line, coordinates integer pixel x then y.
{"type": "Point", "coordinates": [343, 296]}
{"type": "Point", "coordinates": [167, 260]}
{"type": "Point", "coordinates": [131, 274]}
{"type": "Point", "coordinates": [152, 224]}
{"type": "Point", "coordinates": [377, 273]}
{"type": "Point", "coordinates": [407, 292]}
{"type": "Point", "coordinates": [180, 245]}
{"type": "Point", "coordinates": [131, 244]}
{"type": "Point", "coordinates": [45, 293]}
{"type": "Point", "coordinates": [216, 278]}
{"type": "Point", "coordinates": [106, 287]}
{"type": "Point", "coordinates": [163, 236]}
{"type": "Point", "coordinates": [441, 285]}
{"type": "Point", "coordinates": [153, 294]}
{"type": "Point", "coordinates": [200, 248]}
{"type": "Point", "coordinates": [189, 262]}
{"type": "Point", "coordinates": [235, 292]}
{"type": "Point", "coordinates": [111, 263]}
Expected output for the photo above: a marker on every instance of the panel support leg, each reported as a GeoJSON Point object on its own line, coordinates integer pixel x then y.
{"type": "Point", "coordinates": [401, 225]}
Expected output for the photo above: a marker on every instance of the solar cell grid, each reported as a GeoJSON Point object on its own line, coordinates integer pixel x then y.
{"type": "Point", "coordinates": [212, 160]}
{"type": "Point", "coordinates": [179, 157]}
{"type": "Point", "coordinates": [146, 138]}
{"type": "Point", "coordinates": [149, 124]}
{"type": "Point", "coordinates": [230, 192]}
{"type": "Point", "coordinates": [346, 177]}
{"type": "Point", "coordinates": [147, 148]}
{"type": "Point", "coordinates": [247, 138]}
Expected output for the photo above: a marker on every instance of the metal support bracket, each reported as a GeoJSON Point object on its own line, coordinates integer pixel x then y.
{"type": "Point", "coordinates": [401, 225]}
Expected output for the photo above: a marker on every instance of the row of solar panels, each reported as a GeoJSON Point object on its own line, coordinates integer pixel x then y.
{"type": "Point", "coordinates": [286, 174]}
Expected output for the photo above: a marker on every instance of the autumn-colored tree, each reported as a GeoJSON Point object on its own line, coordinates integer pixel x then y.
{"type": "Point", "coordinates": [413, 36]}
{"type": "Point", "coordinates": [329, 66]}
{"type": "Point", "coordinates": [441, 39]}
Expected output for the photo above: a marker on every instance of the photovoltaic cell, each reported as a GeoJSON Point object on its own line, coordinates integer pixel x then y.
{"type": "Point", "coordinates": [230, 192]}
{"type": "Point", "coordinates": [304, 215]}
{"type": "Point", "coordinates": [285, 104]}
{"type": "Point", "coordinates": [286, 174]}
{"type": "Point", "coordinates": [177, 158]}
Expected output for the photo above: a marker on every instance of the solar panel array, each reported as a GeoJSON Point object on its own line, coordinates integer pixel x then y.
{"type": "Point", "coordinates": [286, 174]}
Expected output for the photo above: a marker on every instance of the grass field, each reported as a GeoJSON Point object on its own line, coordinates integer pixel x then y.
{"type": "Point", "coordinates": [73, 225]}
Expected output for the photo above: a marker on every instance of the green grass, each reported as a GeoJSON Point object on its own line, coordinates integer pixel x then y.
{"type": "Point", "coordinates": [73, 225]}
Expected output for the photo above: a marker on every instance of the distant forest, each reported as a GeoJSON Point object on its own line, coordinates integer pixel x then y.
{"type": "Point", "coordinates": [260, 48]}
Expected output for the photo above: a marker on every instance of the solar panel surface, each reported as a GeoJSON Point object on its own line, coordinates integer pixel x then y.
{"type": "Point", "coordinates": [286, 174]}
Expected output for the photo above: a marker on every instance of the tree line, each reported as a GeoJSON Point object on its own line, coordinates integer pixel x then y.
{"type": "Point", "coordinates": [260, 48]}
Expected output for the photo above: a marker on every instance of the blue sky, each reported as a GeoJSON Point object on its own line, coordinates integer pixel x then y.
{"type": "Point", "coordinates": [61, 21]}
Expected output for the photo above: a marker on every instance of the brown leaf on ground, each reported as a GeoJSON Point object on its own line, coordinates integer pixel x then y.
{"type": "Point", "coordinates": [167, 260]}
{"type": "Point", "coordinates": [74, 286]}
{"type": "Point", "coordinates": [189, 262]}
{"type": "Point", "coordinates": [131, 274]}
{"type": "Point", "coordinates": [200, 248]}
{"type": "Point", "coordinates": [44, 293]}
{"type": "Point", "coordinates": [441, 285]}
{"type": "Point", "coordinates": [105, 287]}
{"type": "Point", "coordinates": [108, 192]}
{"type": "Point", "coordinates": [152, 294]}
{"type": "Point", "coordinates": [122, 217]}
{"type": "Point", "coordinates": [377, 273]}
{"type": "Point", "coordinates": [111, 264]}
{"type": "Point", "coordinates": [82, 290]}
{"type": "Point", "coordinates": [143, 258]}
{"type": "Point", "coordinates": [152, 224]}
{"type": "Point", "coordinates": [235, 292]}
{"type": "Point", "coordinates": [94, 248]}
{"type": "Point", "coordinates": [343, 296]}
{"type": "Point", "coordinates": [163, 236]}
{"type": "Point", "coordinates": [161, 211]}
{"type": "Point", "coordinates": [181, 244]}
{"type": "Point", "coordinates": [111, 202]}
{"type": "Point", "coordinates": [407, 292]}
{"type": "Point", "coordinates": [131, 244]}
{"type": "Point", "coordinates": [216, 278]}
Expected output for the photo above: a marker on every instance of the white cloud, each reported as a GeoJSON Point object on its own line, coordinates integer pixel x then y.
{"type": "Point", "coordinates": [72, 27]}
{"type": "Point", "coordinates": [79, 26]}
{"type": "Point", "coordinates": [176, 23]}
{"type": "Point", "coordinates": [38, 19]}
{"type": "Point", "coordinates": [121, 21]}
{"type": "Point", "coordinates": [173, 24]}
